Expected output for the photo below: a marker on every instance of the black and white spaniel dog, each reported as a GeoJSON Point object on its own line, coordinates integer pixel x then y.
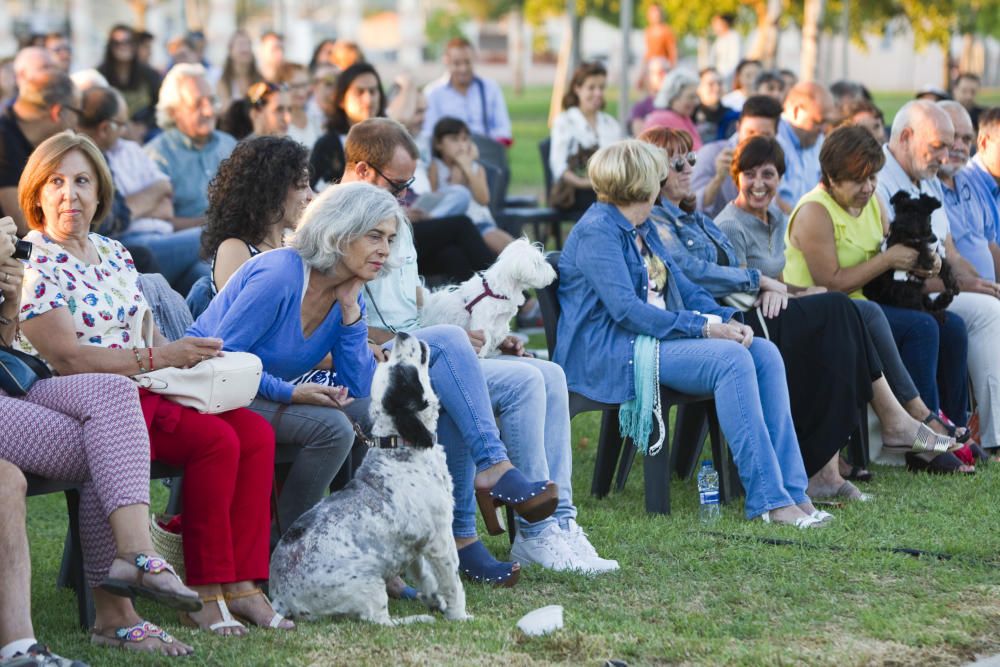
{"type": "Point", "coordinates": [912, 228]}
{"type": "Point", "coordinates": [394, 516]}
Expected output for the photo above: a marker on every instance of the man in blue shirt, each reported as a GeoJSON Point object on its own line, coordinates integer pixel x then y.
{"type": "Point", "coordinates": [189, 149]}
{"type": "Point", "coordinates": [973, 217]}
{"type": "Point", "coordinates": [470, 98]}
{"type": "Point", "coordinates": [711, 181]}
{"type": "Point", "coordinates": [986, 164]}
{"type": "Point", "coordinates": [808, 109]}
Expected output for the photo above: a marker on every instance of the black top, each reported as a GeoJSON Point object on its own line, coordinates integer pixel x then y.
{"type": "Point", "coordinates": [327, 161]}
{"type": "Point", "coordinates": [14, 149]}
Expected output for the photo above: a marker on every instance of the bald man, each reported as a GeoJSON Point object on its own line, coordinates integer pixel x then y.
{"type": "Point", "coordinates": [920, 147]}
{"type": "Point", "coordinates": [31, 63]}
{"type": "Point", "coordinates": [808, 108]}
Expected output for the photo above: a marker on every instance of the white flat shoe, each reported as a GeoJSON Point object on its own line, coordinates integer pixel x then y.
{"type": "Point", "coordinates": [801, 523]}
{"type": "Point", "coordinates": [821, 516]}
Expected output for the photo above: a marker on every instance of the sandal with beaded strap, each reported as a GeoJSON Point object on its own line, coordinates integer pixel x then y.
{"type": "Point", "coordinates": [533, 501]}
{"type": "Point", "coordinates": [146, 564]}
{"type": "Point", "coordinates": [276, 619]}
{"type": "Point", "coordinates": [227, 619]}
{"type": "Point", "coordinates": [132, 638]}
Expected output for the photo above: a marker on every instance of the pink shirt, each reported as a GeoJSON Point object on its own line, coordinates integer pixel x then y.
{"type": "Point", "coordinates": [675, 121]}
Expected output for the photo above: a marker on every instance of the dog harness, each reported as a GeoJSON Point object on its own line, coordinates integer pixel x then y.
{"type": "Point", "coordinates": [487, 292]}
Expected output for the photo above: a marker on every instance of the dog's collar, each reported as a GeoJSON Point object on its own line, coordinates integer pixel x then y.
{"type": "Point", "coordinates": [386, 442]}
{"type": "Point", "coordinates": [487, 292]}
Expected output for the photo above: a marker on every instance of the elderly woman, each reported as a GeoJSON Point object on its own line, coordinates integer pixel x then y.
{"type": "Point", "coordinates": [264, 111]}
{"type": "Point", "coordinates": [834, 239]}
{"type": "Point", "coordinates": [90, 429]}
{"type": "Point", "coordinates": [676, 103]}
{"type": "Point", "coordinates": [80, 307]}
{"type": "Point", "coordinates": [642, 323]}
{"type": "Point", "coordinates": [579, 130]}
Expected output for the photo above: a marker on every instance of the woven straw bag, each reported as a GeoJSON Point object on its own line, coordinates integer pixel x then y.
{"type": "Point", "coordinates": [167, 544]}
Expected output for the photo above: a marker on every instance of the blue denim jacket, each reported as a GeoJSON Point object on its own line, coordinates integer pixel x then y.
{"type": "Point", "coordinates": [695, 241]}
{"type": "Point", "coordinates": [602, 293]}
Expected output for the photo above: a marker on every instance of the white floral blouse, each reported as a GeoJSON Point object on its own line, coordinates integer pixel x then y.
{"type": "Point", "coordinates": [102, 298]}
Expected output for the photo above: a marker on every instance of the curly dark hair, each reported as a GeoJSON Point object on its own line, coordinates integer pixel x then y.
{"type": "Point", "coordinates": [248, 192]}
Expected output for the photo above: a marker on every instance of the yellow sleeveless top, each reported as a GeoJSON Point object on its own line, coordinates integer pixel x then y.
{"type": "Point", "coordinates": [858, 239]}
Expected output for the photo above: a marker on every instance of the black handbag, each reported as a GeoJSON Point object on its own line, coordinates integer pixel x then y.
{"type": "Point", "coordinates": [18, 371]}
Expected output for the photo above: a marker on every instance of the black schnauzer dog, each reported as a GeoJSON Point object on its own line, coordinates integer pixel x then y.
{"type": "Point", "coordinates": [912, 228]}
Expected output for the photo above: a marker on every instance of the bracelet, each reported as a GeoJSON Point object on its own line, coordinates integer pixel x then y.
{"type": "Point", "coordinates": [138, 360]}
{"type": "Point", "coordinates": [706, 331]}
{"type": "Point", "coordinates": [151, 367]}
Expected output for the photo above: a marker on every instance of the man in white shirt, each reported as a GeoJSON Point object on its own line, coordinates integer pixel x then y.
{"type": "Point", "coordinates": [922, 134]}
{"type": "Point", "coordinates": [724, 53]}
{"type": "Point", "coordinates": [477, 101]}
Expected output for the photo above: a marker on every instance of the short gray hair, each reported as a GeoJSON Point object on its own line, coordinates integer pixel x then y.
{"type": "Point", "coordinates": [170, 91]}
{"type": "Point", "coordinates": [675, 81]}
{"type": "Point", "coordinates": [912, 114]}
{"type": "Point", "coordinates": [340, 215]}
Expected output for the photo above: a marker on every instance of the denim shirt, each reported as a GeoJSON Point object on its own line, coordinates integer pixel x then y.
{"type": "Point", "coordinates": [695, 241]}
{"type": "Point", "coordinates": [602, 293]}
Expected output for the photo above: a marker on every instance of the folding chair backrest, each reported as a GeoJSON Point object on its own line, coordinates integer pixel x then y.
{"type": "Point", "coordinates": [548, 301]}
{"type": "Point", "coordinates": [544, 146]}
{"type": "Point", "coordinates": [495, 182]}
{"type": "Point", "coordinates": [494, 154]}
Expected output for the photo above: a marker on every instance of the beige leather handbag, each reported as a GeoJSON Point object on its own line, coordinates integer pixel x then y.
{"type": "Point", "coordinates": [211, 386]}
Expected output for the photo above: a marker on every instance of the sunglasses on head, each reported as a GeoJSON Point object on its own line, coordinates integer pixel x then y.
{"type": "Point", "coordinates": [678, 162]}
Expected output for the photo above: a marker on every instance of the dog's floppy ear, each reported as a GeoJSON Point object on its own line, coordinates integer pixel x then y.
{"type": "Point", "coordinates": [928, 204]}
{"type": "Point", "coordinates": [403, 399]}
{"type": "Point", "coordinates": [900, 199]}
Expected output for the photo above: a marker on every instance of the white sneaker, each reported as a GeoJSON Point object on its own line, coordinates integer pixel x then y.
{"type": "Point", "coordinates": [578, 543]}
{"type": "Point", "coordinates": [549, 550]}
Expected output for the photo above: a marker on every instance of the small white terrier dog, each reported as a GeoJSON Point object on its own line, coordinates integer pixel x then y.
{"type": "Point", "coordinates": [487, 301]}
{"type": "Point", "coordinates": [394, 516]}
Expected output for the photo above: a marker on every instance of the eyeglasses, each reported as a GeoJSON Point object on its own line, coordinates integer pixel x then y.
{"type": "Point", "coordinates": [258, 93]}
{"type": "Point", "coordinates": [396, 187]}
{"type": "Point", "coordinates": [77, 111]}
{"type": "Point", "coordinates": [678, 162]}
{"type": "Point", "coordinates": [121, 42]}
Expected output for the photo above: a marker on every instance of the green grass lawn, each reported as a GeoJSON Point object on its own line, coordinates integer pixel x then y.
{"type": "Point", "coordinates": [529, 115]}
{"type": "Point", "coordinates": [684, 595]}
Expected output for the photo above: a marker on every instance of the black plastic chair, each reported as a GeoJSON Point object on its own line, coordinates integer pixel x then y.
{"type": "Point", "coordinates": [696, 418]}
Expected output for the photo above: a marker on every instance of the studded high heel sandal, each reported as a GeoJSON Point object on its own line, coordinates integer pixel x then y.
{"type": "Point", "coordinates": [533, 501]}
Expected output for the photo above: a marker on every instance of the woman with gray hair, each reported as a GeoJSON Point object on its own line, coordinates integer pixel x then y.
{"type": "Point", "coordinates": [676, 103]}
{"type": "Point", "coordinates": [293, 307]}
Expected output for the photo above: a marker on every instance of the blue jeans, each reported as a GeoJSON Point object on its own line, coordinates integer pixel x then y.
{"type": "Point", "coordinates": [466, 426]}
{"type": "Point", "coordinates": [177, 255]}
{"type": "Point", "coordinates": [936, 355]}
{"type": "Point", "coordinates": [532, 403]}
{"type": "Point", "coordinates": [751, 397]}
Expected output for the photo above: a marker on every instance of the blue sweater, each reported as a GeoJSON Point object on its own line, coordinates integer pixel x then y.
{"type": "Point", "coordinates": [260, 311]}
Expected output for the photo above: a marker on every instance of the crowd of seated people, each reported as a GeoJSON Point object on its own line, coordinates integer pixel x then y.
{"type": "Point", "coordinates": [725, 251]}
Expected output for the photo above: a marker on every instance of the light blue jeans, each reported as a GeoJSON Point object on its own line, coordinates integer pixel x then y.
{"type": "Point", "coordinates": [530, 398]}
{"type": "Point", "coordinates": [751, 397]}
{"type": "Point", "coordinates": [177, 255]}
{"type": "Point", "coordinates": [466, 426]}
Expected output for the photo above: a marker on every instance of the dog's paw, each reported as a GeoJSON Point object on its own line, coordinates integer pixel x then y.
{"type": "Point", "coordinates": [459, 617]}
{"type": "Point", "coordinates": [433, 601]}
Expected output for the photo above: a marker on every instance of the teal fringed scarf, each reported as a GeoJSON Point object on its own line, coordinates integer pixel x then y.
{"type": "Point", "coordinates": [635, 417]}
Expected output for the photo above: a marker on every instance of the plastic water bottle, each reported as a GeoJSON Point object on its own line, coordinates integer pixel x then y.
{"type": "Point", "coordinates": [708, 493]}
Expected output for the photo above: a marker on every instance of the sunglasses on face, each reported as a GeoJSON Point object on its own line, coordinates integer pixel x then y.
{"type": "Point", "coordinates": [678, 162]}
{"type": "Point", "coordinates": [395, 187]}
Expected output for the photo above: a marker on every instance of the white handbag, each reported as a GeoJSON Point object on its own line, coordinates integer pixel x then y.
{"type": "Point", "coordinates": [211, 386]}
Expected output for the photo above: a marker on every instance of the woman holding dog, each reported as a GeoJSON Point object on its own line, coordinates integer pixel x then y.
{"type": "Point", "coordinates": [834, 239]}
{"type": "Point", "coordinates": [818, 334]}
{"type": "Point", "coordinates": [643, 324]}
{"type": "Point", "coordinates": [80, 303]}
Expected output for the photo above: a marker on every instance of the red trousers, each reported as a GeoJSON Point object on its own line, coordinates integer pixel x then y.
{"type": "Point", "coordinates": [228, 462]}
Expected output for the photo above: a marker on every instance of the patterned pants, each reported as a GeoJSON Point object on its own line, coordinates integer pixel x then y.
{"type": "Point", "coordinates": [84, 428]}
